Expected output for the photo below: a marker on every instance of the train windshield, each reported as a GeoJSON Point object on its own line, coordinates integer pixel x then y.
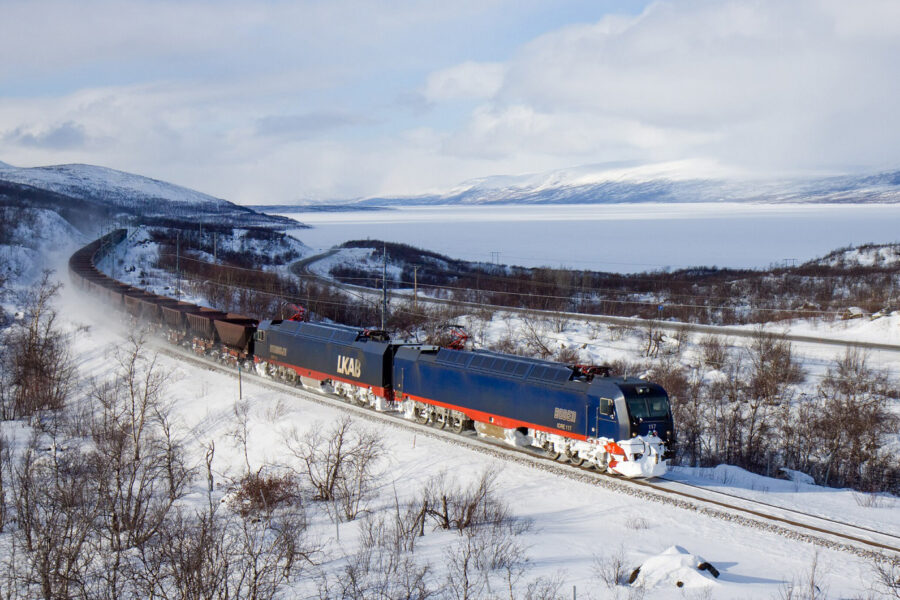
{"type": "Point", "coordinates": [648, 407]}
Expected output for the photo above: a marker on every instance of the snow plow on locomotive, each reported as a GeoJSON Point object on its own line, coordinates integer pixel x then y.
{"type": "Point", "coordinates": [573, 413]}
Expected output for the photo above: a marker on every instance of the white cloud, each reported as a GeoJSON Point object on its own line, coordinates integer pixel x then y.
{"type": "Point", "coordinates": [773, 85]}
{"type": "Point", "coordinates": [269, 102]}
{"type": "Point", "coordinates": [465, 81]}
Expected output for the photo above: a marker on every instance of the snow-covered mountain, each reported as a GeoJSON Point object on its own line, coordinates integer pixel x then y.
{"type": "Point", "coordinates": [109, 194]}
{"type": "Point", "coordinates": [601, 185]}
{"type": "Point", "coordinates": [104, 184]}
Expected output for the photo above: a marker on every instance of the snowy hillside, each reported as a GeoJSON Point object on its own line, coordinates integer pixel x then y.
{"type": "Point", "coordinates": [101, 183]}
{"type": "Point", "coordinates": [600, 185]}
{"type": "Point", "coordinates": [868, 255]}
{"type": "Point", "coordinates": [112, 194]}
{"type": "Point", "coordinates": [38, 240]}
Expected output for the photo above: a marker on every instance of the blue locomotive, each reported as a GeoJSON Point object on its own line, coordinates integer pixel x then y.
{"type": "Point", "coordinates": [579, 414]}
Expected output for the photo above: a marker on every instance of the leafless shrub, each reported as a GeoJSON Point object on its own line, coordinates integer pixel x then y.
{"type": "Point", "coordinates": [39, 375]}
{"type": "Point", "coordinates": [612, 569]}
{"type": "Point", "coordinates": [560, 321]}
{"type": "Point", "coordinates": [488, 545]}
{"type": "Point", "coordinates": [653, 338]}
{"type": "Point", "coordinates": [56, 505]}
{"type": "Point", "coordinates": [535, 337]}
{"type": "Point", "coordinates": [773, 366]}
{"type": "Point", "coordinates": [807, 586]}
{"type": "Point", "coordinates": [378, 574]}
{"type": "Point", "coordinates": [341, 463]}
{"type": "Point", "coordinates": [637, 523]}
{"type": "Point", "coordinates": [215, 555]}
{"type": "Point", "coordinates": [452, 506]}
{"type": "Point", "coordinates": [399, 530]}
{"type": "Point", "coordinates": [384, 566]}
{"type": "Point", "coordinates": [464, 581]}
{"type": "Point", "coordinates": [617, 332]}
{"type": "Point", "coordinates": [568, 355]}
{"type": "Point", "coordinates": [853, 419]}
{"type": "Point", "coordinates": [872, 500]}
{"type": "Point", "coordinates": [260, 492]}
{"type": "Point", "coordinates": [6, 479]}
{"type": "Point", "coordinates": [545, 588]}
{"type": "Point", "coordinates": [138, 464]}
{"type": "Point", "coordinates": [887, 578]}
{"type": "Point", "coordinates": [714, 351]}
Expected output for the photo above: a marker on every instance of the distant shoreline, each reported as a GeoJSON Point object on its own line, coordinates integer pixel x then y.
{"type": "Point", "coordinates": [285, 209]}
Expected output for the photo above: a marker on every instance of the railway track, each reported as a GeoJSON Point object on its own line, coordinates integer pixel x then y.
{"type": "Point", "coordinates": [787, 522]}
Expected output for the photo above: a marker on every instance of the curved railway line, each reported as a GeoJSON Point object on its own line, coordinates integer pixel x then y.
{"type": "Point", "coordinates": [860, 540]}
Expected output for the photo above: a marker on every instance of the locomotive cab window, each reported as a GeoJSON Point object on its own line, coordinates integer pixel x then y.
{"type": "Point", "coordinates": [648, 407]}
{"type": "Point", "coordinates": [260, 336]}
{"type": "Point", "coordinates": [606, 407]}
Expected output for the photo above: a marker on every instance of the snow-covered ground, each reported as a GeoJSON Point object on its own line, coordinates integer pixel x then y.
{"type": "Point", "coordinates": [575, 522]}
{"type": "Point", "coordinates": [41, 242]}
{"type": "Point", "coordinates": [133, 262]}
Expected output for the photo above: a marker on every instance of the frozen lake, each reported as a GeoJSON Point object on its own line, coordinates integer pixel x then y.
{"type": "Point", "coordinates": [617, 237]}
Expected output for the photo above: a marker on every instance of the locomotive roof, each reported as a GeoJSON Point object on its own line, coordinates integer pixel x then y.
{"type": "Point", "coordinates": [511, 365]}
{"type": "Point", "coordinates": [324, 331]}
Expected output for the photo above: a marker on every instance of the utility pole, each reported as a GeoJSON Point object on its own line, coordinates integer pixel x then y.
{"type": "Point", "coordinates": [416, 288]}
{"type": "Point", "coordinates": [384, 287]}
{"type": "Point", "coordinates": [178, 264]}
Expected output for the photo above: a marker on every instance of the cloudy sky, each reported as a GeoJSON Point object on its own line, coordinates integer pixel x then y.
{"type": "Point", "coordinates": [278, 101]}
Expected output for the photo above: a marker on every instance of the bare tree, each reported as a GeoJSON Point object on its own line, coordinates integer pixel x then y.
{"type": "Point", "coordinates": [139, 466]}
{"type": "Point", "coordinates": [853, 419]}
{"type": "Point", "coordinates": [653, 338]}
{"type": "Point", "coordinates": [40, 374]}
{"type": "Point", "coordinates": [56, 505]}
{"type": "Point", "coordinates": [535, 337]}
{"type": "Point", "coordinates": [341, 463]}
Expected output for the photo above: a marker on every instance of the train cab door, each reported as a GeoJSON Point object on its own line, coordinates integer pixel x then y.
{"type": "Point", "coordinates": [607, 425]}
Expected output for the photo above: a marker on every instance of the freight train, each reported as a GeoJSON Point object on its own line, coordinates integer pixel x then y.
{"type": "Point", "coordinates": [576, 413]}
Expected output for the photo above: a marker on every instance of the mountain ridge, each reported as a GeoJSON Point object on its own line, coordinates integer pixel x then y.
{"type": "Point", "coordinates": [106, 194]}
{"type": "Point", "coordinates": [581, 185]}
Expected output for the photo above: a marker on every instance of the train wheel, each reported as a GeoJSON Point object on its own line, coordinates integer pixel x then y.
{"type": "Point", "coordinates": [457, 424]}
{"type": "Point", "coordinates": [575, 459]}
{"type": "Point", "coordinates": [421, 416]}
{"type": "Point", "coordinates": [551, 452]}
